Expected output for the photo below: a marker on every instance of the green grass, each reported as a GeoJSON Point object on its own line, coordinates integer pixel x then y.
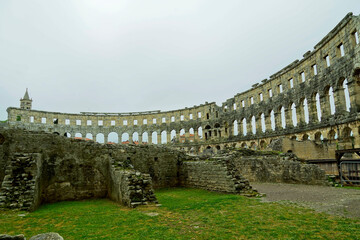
{"type": "Point", "coordinates": [184, 214]}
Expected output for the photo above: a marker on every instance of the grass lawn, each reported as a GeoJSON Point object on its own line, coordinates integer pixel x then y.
{"type": "Point", "coordinates": [184, 214]}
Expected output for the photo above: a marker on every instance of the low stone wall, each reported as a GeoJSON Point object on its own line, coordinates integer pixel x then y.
{"type": "Point", "coordinates": [213, 175]}
{"type": "Point", "coordinates": [278, 169]}
{"type": "Point", "coordinates": [130, 187]}
{"type": "Point", "coordinates": [21, 185]}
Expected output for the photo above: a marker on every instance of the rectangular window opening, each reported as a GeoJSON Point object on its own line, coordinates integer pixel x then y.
{"type": "Point", "coordinates": [341, 51]}
{"type": "Point", "coordinates": [88, 122]}
{"type": "Point", "coordinates": [280, 88]}
{"type": "Point", "coordinates": [112, 123]}
{"type": "Point", "coordinates": [135, 122]}
{"type": "Point", "coordinates": [356, 37]}
{"type": "Point", "coordinates": [291, 83]}
{"type": "Point", "coordinates": [182, 118]}
{"type": "Point", "coordinates": [67, 121]}
{"type": "Point", "coordinates": [270, 93]}
{"type": "Point", "coordinates": [163, 120]}
{"type": "Point", "coordinates": [314, 67]}
{"type": "Point", "coordinates": [251, 100]}
{"type": "Point", "coordinates": [234, 106]}
{"type": "Point", "coordinates": [191, 116]}
{"type": "Point", "coordinates": [154, 120]}
{"type": "Point", "coordinates": [125, 122]}
{"type": "Point", "coordinates": [243, 103]}
{"type": "Point", "coordinates": [43, 120]}
{"type": "Point", "coordinates": [302, 74]}
{"type": "Point", "coordinates": [172, 119]}
{"type": "Point", "coordinates": [78, 122]}
{"type": "Point", "coordinates": [31, 119]}
{"type": "Point", "coordinates": [199, 114]}
{"type": "Point", "coordinates": [100, 123]}
{"type": "Point", "coordinates": [145, 121]}
{"type": "Point", "coordinates": [261, 97]}
{"type": "Point", "coordinates": [327, 60]}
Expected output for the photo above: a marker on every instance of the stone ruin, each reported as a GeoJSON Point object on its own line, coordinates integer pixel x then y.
{"type": "Point", "coordinates": [39, 167]}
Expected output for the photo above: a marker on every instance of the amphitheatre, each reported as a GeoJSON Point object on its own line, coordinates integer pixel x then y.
{"type": "Point", "coordinates": [307, 110]}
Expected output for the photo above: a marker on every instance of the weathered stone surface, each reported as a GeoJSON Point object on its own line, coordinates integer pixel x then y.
{"type": "Point", "coordinates": [47, 236]}
{"type": "Point", "coordinates": [9, 237]}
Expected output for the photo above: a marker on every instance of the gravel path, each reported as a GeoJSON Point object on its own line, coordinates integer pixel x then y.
{"type": "Point", "coordinates": [335, 201]}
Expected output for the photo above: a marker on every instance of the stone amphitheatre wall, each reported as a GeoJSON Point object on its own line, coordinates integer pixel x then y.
{"type": "Point", "coordinates": [321, 91]}
{"type": "Point", "coordinates": [39, 167]}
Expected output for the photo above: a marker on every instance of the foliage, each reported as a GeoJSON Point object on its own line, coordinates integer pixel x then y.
{"type": "Point", "coordinates": [184, 214]}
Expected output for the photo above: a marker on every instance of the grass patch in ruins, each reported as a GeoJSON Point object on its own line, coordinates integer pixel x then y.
{"type": "Point", "coordinates": [184, 214]}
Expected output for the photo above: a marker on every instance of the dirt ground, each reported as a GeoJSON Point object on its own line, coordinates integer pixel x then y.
{"type": "Point", "coordinates": [332, 200]}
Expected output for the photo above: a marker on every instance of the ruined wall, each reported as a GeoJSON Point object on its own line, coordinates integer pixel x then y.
{"type": "Point", "coordinates": [214, 175]}
{"type": "Point", "coordinates": [278, 169]}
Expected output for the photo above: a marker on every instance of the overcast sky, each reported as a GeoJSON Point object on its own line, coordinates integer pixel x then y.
{"type": "Point", "coordinates": [126, 56]}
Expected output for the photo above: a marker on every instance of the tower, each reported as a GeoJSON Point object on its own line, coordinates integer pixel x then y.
{"type": "Point", "coordinates": [25, 102]}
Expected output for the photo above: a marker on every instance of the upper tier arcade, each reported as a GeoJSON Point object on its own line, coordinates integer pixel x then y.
{"type": "Point", "coordinates": [317, 97]}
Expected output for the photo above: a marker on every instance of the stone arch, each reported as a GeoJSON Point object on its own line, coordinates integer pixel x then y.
{"type": "Point", "coordinates": [56, 133]}
{"type": "Point", "coordinates": [293, 137]}
{"type": "Point", "coordinates": [262, 122]}
{"type": "Point", "coordinates": [218, 147]}
{"type": "Point", "coordinates": [263, 144]}
{"type": "Point", "coordinates": [88, 136]}
{"type": "Point", "coordinates": [145, 137]}
{"type": "Point", "coordinates": [272, 119]}
{"type": "Point", "coordinates": [113, 137]}
{"type": "Point", "coordinates": [253, 124]}
{"type": "Point", "coordinates": [163, 137]}
{"type": "Point", "coordinates": [331, 135]}
{"type": "Point", "coordinates": [244, 145]}
{"type": "Point", "coordinates": [154, 136]}
{"type": "Point", "coordinates": [100, 138]}
{"type": "Point", "coordinates": [293, 114]}
{"type": "Point", "coordinates": [305, 137]}
{"type": "Point", "coordinates": [253, 145]}
{"type": "Point", "coordinates": [244, 126]}
{"type": "Point", "coordinates": [78, 135]}
{"type": "Point", "coordinates": [125, 138]}
{"type": "Point", "coordinates": [173, 135]}
{"type": "Point", "coordinates": [318, 137]}
{"type": "Point", "coordinates": [235, 128]}
{"type": "Point", "coordinates": [67, 134]}
{"type": "Point", "coordinates": [135, 137]}
{"type": "Point", "coordinates": [200, 132]}
{"type": "Point", "coordinates": [346, 133]}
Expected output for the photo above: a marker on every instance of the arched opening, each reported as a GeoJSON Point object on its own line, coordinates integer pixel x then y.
{"type": "Point", "coordinates": [200, 133]}
{"type": "Point", "coordinates": [244, 125]}
{"type": "Point", "coordinates": [244, 145]}
{"type": "Point", "coordinates": [331, 135]}
{"type": "Point", "coordinates": [318, 137]}
{"type": "Point", "coordinates": [113, 137]}
{"type": "Point", "coordinates": [318, 106]}
{"type": "Point", "coordinates": [306, 110]}
{"type": "Point", "coordinates": [154, 138]}
{"type": "Point", "coordinates": [173, 135]}
{"type": "Point", "coordinates": [191, 135]}
{"type": "Point", "coordinates": [235, 130]}
{"type": "Point", "coordinates": [263, 125]}
{"type": "Point", "coordinates": [253, 124]}
{"type": "Point", "coordinates": [78, 136]}
{"type": "Point", "coordinates": [347, 95]}
{"type": "Point", "coordinates": [293, 138]}
{"type": "Point", "coordinates": [89, 136]}
{"type": "Point", "coordinates": [100, 138]}
{"type": "Point", "coordinates": [135, 137]}
{"type": "Point", "coordinates": [253, 145]}
{"type": "Point", "coordinates": [163, 137]}
{"type": "Point", "coordinates": [125, 138]}
{"type": "Point", "coordinates": [56, 133]}
{"type": "Point", "coordinates": [145, 137]}
{"type": "Point", "coordinates": [305, 137]}
{"type": "Point", "coordinates": [272, 119]}
{"type": "Point", "coordinates": [262, 144]}
{"type": "Point", "coordinates": [330, 93]}
{"type": "Point", "coordinates": [283, 120]}
{"type": "Point", "coordinates": [293, 114]}
{"type": "Point", "coordinates": [346, 133]}
{"type": "Point", "coordinates": [218, 147]}
{"type": "Point", "coordinates": [67, 134]}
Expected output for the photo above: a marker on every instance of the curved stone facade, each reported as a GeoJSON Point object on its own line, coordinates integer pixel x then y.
{"type": "Point", "coordinates": [315, 98]}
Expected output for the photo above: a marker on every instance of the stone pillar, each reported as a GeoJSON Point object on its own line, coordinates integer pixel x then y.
{"type": "Point", "coordinates": [258, 125]}
{"type": "Point", "coordinates": [140, 138]}
{"type": "Point", "coordinates": [277, 117]}
{"type": "Point", "coordinates": [339, 99]}
{"type": "Point", "coordinates": [288, 118]}
{"type": "Point", "coordinates": [240, 128]}
{"type": "Point", "coordinates": [325, 107]}
{"type": "Point", "coordinates": [267, 122]}
{"type": "Point", "coordinates": [313, 117]}
{"type": "Point", "coordinates": [196, 135]}
{"type": "Point", "coordinates": [105, 138]}
{"type": "Point", "coordinates": [300, 114]}
{"type": "Point", "coordinates": [187, 135]}
{"type": "Point", "coordinates": [94, 137]}
{"type": "Point", "coordinates": [158, 137]}
{"type": "Point", "coordinates": [249, 127]}
{"type": "Point", "coordinates": [130, 138]}
{"type": "Point", "coordinates": [354, 92]}
{"type": "Point", "coordinates": [168, 137]}
{"type": "Point", "coordinates": [119, 137]}
{"type": "Point", "coordinates": [150, 138]}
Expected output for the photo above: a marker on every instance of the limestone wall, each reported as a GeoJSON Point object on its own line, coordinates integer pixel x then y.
{"type": "Point", "coordinates": [277, 169]}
